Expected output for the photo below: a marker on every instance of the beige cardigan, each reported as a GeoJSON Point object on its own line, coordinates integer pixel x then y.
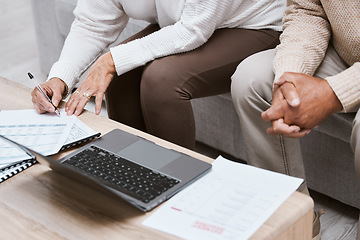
{"type": "Point", "coordinates": [309, 26]}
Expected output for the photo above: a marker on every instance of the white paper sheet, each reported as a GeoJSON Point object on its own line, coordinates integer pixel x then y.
{"type": "Point", "coordinates": [230, 202]}
{"type": "Point", "coordinates": [79, 131]}
{"type": "Point", "coordinates": [43, 133]}
{"type": "Point", "coordinates": [9, 153]}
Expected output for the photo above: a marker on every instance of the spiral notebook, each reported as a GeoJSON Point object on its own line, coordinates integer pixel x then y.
{"type": "Point", "coordinates": [9, 170]}
{"type": "Point", "coordinates": [18, 167]}
{"type": "Point", "coordinates": [17, 126]}
{"type": "Point", "coordinates": [14, 159]}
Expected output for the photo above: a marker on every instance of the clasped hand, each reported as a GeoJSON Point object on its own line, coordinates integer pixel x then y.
{"type": "Point", "coordinates": [94, 84]}
{"type": "Point", "coordinates": [300, 103]}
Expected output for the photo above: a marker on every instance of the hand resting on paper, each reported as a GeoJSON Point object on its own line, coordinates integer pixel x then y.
{"type": "Point", "coordinates": [94, 84]}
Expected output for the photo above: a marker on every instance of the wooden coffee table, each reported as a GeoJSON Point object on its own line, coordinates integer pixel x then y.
{"type": "Point", "coordinates": [40, 204]}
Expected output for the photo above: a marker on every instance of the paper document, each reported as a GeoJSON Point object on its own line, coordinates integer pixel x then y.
{"type": "Point", "coordinates": [79, 130]}
{"type": "Point", "coordinates": [43, 133]}
{"type": "Point", "coordinates": [9, 153]}
{"type": "Point", "coordinates": [230, 202]}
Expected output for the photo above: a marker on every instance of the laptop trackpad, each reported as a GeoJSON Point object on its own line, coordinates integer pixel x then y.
{"type": "Point", "coordinates": [149, 154]}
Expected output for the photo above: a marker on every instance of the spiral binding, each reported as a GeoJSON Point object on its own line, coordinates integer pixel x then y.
{"type": "Point", "coordinates": [66, 146]}
{"type": "Point", "coordinates": [17, 168]}
{"type": "Point", "coordinates": [21, 166]}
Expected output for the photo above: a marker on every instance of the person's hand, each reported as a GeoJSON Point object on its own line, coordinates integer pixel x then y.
{"type": "Point", "coordinates": [94, 84]}
{"type": "Point", "coordinates": [315, 98]}
{"type": "Point", "coordinates": [54, 88]}
{"type": "Point", "coordinates": [278, 125]}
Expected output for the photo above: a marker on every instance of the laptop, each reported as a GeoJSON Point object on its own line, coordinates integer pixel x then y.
{"type": "Point", "coordinates": [135, 169]}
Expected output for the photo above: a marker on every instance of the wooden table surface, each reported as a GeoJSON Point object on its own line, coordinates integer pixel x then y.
{"type": "Point", "coordinates": [41, 204]}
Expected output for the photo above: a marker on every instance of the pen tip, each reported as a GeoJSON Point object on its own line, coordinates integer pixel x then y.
{"type": "Point", "coordinates": [30, 75]}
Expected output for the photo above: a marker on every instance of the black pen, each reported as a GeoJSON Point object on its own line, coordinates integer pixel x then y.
{"type": "Point", "coordinates": [42, 91]}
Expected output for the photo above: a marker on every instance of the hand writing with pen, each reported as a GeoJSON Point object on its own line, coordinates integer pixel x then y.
{"type": "Point", "coordinates": [94, 84]}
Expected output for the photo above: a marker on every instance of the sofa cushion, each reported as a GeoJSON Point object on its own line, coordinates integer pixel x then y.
{"type": "Point", "coordinates": [338, 126]}
{"type": "Point", "coordinates": [217, 124]}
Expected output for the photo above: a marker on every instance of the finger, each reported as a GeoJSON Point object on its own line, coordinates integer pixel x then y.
{"type": "Point", "coordinates": [277, 96]}
{"type": "Point", "coordinates": [39, 108]}
{"type": "Point", "coordinates": [73, 96]}
{"type": "Point", "coordinates": [98, 102]}
{"type": "Point", "coordinates": [299, 134]}
{"type": "Point", "coordinates": [277, 99]}
{"type": "Point", "coordinates": [53, 94]}
{"type": "Point", "coordinates": [286, 77]}
{"type": "Point", "coordinates": [273, 113]}
{"type": "Point", "coordinates": [34, 101]}
{"type": "Point", "coordinates": [77, 102]}
{"type": "Point", "coordinates": [56, 98]}
{"type": "Point", "coordinates": [72, 103]}
{"type": "Point", "coordinates": [34, 98]}
{"type": "Point", "coordinates": [289, 92]}
{"type": "Point", "coordinates": [43, 102]}
{"type": "Point", "coordinates": [81, 105]}
{"type": "Point", "coordinates": [59, 87]}
{"type": "Point", "coordinates": [279, 127]}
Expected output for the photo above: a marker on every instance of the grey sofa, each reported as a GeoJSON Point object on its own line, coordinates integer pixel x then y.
{"type": "Point", "coordinates": [326, 151]}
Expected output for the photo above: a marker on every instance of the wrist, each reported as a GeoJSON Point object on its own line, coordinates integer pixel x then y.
{"type": "Point", "coordinates": [110, 62]}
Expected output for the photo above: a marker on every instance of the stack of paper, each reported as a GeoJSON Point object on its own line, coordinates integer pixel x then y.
{"type": "Point", "coordinates": [230, 202]}
{"type": "Point", "coordinates": [43, 133]}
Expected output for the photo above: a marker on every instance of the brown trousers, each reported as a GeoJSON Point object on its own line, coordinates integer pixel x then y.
{"type": "Point", "coordinates": [155, 98]}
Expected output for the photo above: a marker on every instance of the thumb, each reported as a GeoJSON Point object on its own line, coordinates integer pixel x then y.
{"type": "Point", "coordinates": [273, 113]}
{"type": "Point", "coordinates": [56, 97]}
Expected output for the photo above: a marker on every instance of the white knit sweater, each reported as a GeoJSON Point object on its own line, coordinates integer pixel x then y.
{"type": "Point", "coordinates": [185, 25]}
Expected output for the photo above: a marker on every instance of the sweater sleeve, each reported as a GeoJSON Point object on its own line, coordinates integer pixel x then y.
{"type": "Point", "coordinates": [197, 23]}
{"type": "Point", "coordinates": [97, 24]}
{"type": "Point", "coordinates": [346, 86]}
{"type": "Point", "coordinates": [305, 38]}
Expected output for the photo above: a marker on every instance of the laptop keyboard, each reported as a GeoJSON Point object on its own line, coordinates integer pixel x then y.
{"type": "Point", "coordinates": [128, 177]}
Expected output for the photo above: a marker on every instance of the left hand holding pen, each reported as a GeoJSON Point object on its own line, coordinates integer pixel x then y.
{"type": "Point", "coordinates": [314, 102]}
{"type": "Point", "coordinates": [94, 84]}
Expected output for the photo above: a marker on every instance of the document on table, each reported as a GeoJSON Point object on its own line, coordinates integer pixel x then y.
{"type": "Point", "coordinates": [43, 133]}
{"type": "Point", "coordinates": [230, 202]}
{"type": "Point", "coordinates": [9, 153]}
{"type": "Point", "coordinates": [80, 132]}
